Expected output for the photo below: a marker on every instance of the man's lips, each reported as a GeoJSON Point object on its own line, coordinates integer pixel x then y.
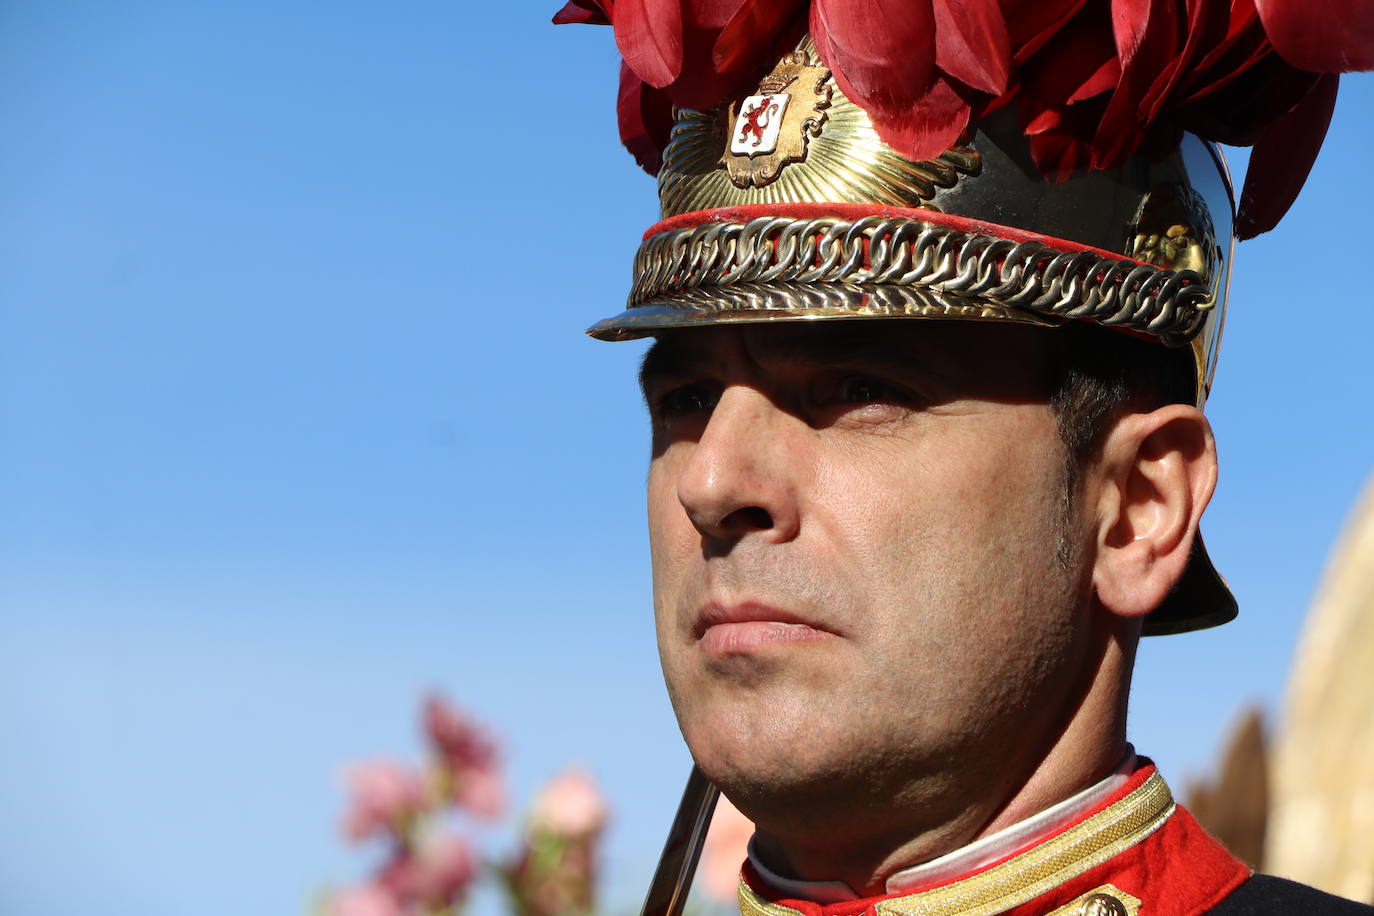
{"type": "Point", "coordinates": [727, 629]}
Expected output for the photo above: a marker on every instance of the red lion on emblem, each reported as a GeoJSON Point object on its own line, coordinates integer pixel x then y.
{"type": "Point", "coordinates": [756, 120]}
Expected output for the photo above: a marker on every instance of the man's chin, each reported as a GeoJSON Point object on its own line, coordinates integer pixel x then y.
{"type": "Point", "coordinates": [774, 751]}
{"type": "Point", "coordinates": [783, 792]}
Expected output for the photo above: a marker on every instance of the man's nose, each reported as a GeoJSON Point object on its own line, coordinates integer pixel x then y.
{"type": "Point", "coordinates": [743, 473]}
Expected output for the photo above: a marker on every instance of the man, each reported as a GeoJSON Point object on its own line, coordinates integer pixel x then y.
{"type": "Point", "coordinates": [937, 297]}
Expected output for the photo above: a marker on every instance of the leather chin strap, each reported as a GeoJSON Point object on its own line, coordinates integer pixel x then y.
{"type": "Point", "coordinates": [673, 878]}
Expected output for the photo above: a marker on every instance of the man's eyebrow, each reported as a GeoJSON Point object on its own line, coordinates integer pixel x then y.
{"type": "Point", "coordinates": [860, 349]}
{"type": "Point", "coordinates": [665, 359]}
{"type": "Point", "coordinates": [803, 348]}
{"type": "Point", "coordinates": [649, 366]}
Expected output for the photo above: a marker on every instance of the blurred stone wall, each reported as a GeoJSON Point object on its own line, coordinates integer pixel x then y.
{"type": "Point", "coordinates": [1321, 827]}
{"type": "Point", "coordinates": [1233, 805]}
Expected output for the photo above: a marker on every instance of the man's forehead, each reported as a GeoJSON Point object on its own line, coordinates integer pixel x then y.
{"type": "Point", "coordinates": [782, 342]}
{"type": "Point", "coordinates": [949, 349]}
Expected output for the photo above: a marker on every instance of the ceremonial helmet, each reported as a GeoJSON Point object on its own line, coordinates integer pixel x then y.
{"type": "Point", "coordinates": [1046, 164]}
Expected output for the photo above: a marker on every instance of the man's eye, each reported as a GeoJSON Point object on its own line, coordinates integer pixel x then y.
{"type": "Point", "coordinates": [859, 389]}
{"type": "Point", "coordinates": [698, 397]}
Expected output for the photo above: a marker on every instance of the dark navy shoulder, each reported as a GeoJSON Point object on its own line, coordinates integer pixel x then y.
{"type": "Point", "coordinates": [1267, 894]}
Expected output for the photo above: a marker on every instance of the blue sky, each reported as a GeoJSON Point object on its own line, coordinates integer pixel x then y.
{"type": "Point", "coordinates": [298, 421]}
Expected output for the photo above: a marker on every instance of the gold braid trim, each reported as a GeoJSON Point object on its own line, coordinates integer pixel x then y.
{"type": "Point", "coordinates": [775, 258]}
{"type": "Point", "coordinates": [1034, 872]}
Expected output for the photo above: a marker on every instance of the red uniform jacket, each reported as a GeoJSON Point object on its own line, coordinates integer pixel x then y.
{"type": "Point", "coordinates": [1136, 854]}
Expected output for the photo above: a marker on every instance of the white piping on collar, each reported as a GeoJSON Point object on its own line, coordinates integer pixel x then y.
{"type": "Point", "coordinates": [967, 859]}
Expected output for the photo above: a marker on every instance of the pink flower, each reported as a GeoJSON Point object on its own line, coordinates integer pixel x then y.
{"type": "Point", "coordinates": [553, 875]}
{"type": "Point", "coordinates": [467, 756]}
{"type": "Point", "coordinates": [481, 792]}
{"type": "Point", "coordinates": [384, 795]}
{"type": "Point", "coordinates": [727, 844]}
{"type": "Point", "coordinates": [447, 866]}
{"type": "Point", "coordinates": [555, 872]}
{"type": "Point", "coordinates": [461, 742]}
{"type": "Point", "coordinates": [438, 872]}
{"type": "Point", "coordinates": [570, 804]}
{"type": "Point", "coordinates": [364, 900]}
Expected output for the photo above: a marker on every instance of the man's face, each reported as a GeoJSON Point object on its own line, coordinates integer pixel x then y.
{"type": "Point", "coordinates": [854, 529]}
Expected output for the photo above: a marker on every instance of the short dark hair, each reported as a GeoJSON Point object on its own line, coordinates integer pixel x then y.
{"type": "Point", "coordinates": [1098, 373]}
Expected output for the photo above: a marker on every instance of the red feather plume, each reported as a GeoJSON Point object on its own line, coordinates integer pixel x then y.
{"type": "Point", "coordinates": [1093, 81]}
{"type": "Point", "coordinates": [1327, 36]}
{"type": "Point", "coordinates": [583, 12]}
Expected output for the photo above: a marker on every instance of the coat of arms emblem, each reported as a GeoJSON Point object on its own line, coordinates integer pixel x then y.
{"type": "Point", "coordinates": [768, 130]}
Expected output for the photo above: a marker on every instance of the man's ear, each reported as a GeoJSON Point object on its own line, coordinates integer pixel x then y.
{"type": "Point", "coordinates": [1154, 476]}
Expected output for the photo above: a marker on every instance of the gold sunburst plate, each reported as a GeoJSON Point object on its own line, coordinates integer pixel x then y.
{"type": "Point", "coordinates": [828, 150]}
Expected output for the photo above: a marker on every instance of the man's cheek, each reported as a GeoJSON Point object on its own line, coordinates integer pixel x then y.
{"type": "Point", "coordinates": [673, 544]}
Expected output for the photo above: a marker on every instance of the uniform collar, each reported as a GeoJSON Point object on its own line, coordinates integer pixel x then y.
{"type": "Point", "coordinates": [967, 859]}
{"type": "Point", "coordinates": [1132, 845]}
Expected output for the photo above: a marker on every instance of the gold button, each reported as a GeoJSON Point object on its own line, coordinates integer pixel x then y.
{"type": "Point", "coordinates": [1102, 905]}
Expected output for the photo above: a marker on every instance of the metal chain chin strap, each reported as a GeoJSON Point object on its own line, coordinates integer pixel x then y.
{"type": "Point", "coordinates": [870, 255]}
{"type": "Point", "coordinates": [839, 300]}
